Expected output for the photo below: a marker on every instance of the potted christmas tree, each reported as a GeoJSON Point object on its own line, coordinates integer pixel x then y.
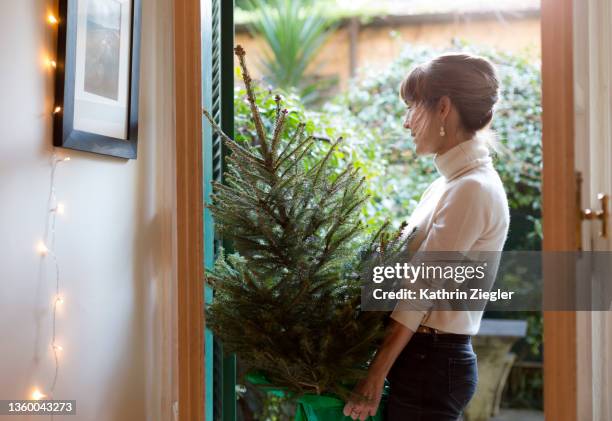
{"type": "Point", "coordinates": [287, 299]}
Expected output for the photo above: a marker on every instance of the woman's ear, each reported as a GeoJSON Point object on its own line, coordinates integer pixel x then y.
{"type": "Point", "coordinates": [444, 107]}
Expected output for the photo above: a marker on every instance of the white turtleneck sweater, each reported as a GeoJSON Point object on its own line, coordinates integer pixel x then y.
{"type": "Point", "coordinates": [464, 210]}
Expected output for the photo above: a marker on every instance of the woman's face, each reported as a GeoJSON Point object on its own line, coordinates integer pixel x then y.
{"type": "Point", "coordinates": [419, 120]}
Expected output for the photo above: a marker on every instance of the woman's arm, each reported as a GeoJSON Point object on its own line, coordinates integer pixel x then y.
{"type": "Point", "coordinates": [371, 387]}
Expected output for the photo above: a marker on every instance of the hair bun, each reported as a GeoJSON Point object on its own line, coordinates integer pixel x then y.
{"type": "Point", "coordinates": [486, 118]}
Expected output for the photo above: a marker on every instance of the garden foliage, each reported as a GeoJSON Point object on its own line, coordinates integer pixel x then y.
{"type": "Point", "coordinates": [369, 117]}
{"type": "Point", "coordinates": [293, 32]}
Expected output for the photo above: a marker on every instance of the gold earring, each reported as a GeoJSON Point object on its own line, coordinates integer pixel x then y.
{"type": "Point", "coordinates": [442, 131]}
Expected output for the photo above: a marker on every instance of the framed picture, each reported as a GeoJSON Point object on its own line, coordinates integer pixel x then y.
{"type": "Point", "coordinates": [98, 63]}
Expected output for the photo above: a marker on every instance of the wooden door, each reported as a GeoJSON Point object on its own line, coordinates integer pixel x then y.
{"type": "Point", "coordinates": [593, 105]}
{"type": "Point", "coordinates": [576, 136]}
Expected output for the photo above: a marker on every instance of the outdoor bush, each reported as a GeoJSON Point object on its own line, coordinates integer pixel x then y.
{"type": "Point", "coordinates": [369, 117]}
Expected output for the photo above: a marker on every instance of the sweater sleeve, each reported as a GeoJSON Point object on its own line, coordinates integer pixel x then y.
{"type": "Point", "coordinates": [459, 221]}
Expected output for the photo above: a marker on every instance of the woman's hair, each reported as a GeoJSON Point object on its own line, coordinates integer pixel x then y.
{"type": "Point", "coordinates": [469, 81]}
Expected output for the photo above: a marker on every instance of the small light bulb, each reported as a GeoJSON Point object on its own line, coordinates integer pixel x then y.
{"type": "Point", "coordinates": [58, 348]}
{"type": "Point", "coordinates": [52, 19]}
{"type": "Point", "coordinates": [57, 110]}
{"type": "Point", "coordinates": [37, 395]}
{"type": "Point", "coordinates": [42, 248]}
{"type": "Point", "coordinates": [67, 158]}
{"type": "Point", "coordinates": [51, 63]}
{"type": "Point", "coordinates": [60, 209]}
{"type": "Point", "coordinates": [59, 299]}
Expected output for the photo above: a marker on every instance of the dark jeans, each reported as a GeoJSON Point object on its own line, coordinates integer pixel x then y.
{"type": "Point", "coordinates": [433, 379]}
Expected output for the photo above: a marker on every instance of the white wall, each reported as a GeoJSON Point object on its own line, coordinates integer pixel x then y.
{"type": "Point", "coordinates": [115, 243]}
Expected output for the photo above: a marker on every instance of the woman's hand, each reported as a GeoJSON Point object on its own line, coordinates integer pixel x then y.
{"type": "Point", "coordinates": [366, 399]}
{"type": "Point", "coordinates": [369, 391]}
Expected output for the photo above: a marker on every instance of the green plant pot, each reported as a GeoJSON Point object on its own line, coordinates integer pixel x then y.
{"type": "Point", "coordinates": [311, 407]}
{"type": "Point", "coordinates": [327, 408]}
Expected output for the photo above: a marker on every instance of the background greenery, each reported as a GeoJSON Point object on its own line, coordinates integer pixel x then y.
{"type": "Point", "coordinates": [369, 118]}
{"type": "Point", "coordinates": [293, 33]}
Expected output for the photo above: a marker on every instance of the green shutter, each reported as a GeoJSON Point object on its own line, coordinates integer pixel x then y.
{"type": "Point", "coordinates": [217, 95]}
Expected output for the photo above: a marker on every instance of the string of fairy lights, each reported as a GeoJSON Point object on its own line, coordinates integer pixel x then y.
{"type": "Point", "coordinates": [46, 248]}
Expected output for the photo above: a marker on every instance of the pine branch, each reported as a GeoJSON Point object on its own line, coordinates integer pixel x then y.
{"type": "Point", "coordinates": [324, 162]}
{"type": "Point", "coordinates": [246, 77]}
{"type": "Point", "coordinates": [235, 147]}
{"type": "Point", "coordinates": [288, 152]}
{"type": "Point", "coordinates": [297, 134]}
{"type": "Point", "coordinates": [278, 126]}
{"type": "Point", "coordinates": [298, 158]}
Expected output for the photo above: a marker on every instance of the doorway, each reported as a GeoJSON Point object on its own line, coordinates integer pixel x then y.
{"type": "Point", "coordinates": [565, 398]}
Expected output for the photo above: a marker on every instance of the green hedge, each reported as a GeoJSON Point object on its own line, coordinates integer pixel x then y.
{"type": "Point", "coordinates": [369, 117]}
{"type": "Point", "coordinates": [372, 100]}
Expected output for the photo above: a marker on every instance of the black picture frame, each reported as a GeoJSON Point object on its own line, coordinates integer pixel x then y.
{"type": "Point", "coordinates": [64, 133]}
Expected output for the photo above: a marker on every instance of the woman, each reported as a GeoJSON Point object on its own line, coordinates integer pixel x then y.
{"type": "Point", "coordinates": [427, 356]}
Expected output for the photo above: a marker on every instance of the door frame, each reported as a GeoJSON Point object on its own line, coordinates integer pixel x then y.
{"type": "Point", "coordinates": [189, 210]}
{"type": "Point", "coordinates": [559, 215]}
{"type": "Point", "coordinates": [558, 201]}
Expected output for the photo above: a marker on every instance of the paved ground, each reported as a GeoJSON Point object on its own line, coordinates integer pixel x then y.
{"type": "Point", "coordinates": [519, 415]}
